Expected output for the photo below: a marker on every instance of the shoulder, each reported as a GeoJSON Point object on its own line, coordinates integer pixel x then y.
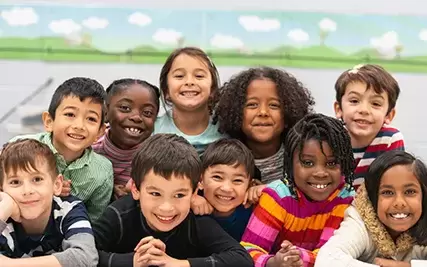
{"type": "Point", "coordinates": [390, 133]}
{"type": "Point", "coordinates": [163, 123]}
{"type": "Point", "coordinates": [278, 188]}
{"type": "Point", "coordinates": [125, 207]}
{"type": "Point", "coordinates": [99, 165]}
{"type": "Point", "coordinates": [38, 136]}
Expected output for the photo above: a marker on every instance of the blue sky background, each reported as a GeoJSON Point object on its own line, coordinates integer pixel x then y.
{"type": "Point", "coordinates": [353, 33]}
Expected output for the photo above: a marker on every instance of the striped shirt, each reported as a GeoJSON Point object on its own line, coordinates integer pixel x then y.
{"type": "Point", "coordinates": [280, 216]}
{"type": "Point", "coordinates": [91, 176]}
{"type": "Point", "coordinates": [121, 159]}
{"type": "Point", "coordinates": [387, 139]}
{"type": "Point", "coordinates": [68, 229]}
{"type": "Point", "coordinates": [271, 168]}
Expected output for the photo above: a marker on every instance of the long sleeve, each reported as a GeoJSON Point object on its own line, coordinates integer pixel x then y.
{"type": "Point", "coordinates": [396, 142]}
{"type": "Point", "coordinates": [224, 251]}
{"type": "Point", "coordinates": [348, 244]}
{"type": "Point", "coordinates": [108, 232]}
{"type": "Point", "coordinates": [101, 197]}
{"type": "Point", "coordinates": [4, 246]}
{"type": "Point", "coordinates": [78, 245]}
{"type": "Point", "coordinates": [264, 226]}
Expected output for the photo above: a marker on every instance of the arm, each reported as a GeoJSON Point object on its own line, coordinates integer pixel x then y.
{"type": "Point", "coordinates": [101, 197]}
{"type": "Point", "coordinates": [224, 251]}
{"type": "Point", "coordinates": [107, 231]}
{"type": "Point", "coordinates": [263, 228]}
{"type": "Point", "coordinates": [348, 243]}
{"type": "Point", "coordinates": [78, 245]}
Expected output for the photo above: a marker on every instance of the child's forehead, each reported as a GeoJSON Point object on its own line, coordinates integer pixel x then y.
{"type": "Point", "coordinates": [75, 102]}
{"type": "Point", "coordinates": [228, 169]}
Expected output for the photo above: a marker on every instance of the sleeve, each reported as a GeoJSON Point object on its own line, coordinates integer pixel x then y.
{"type": "Point", "coordinates": [5, 249]}
{"type": "Point", "coordinates": [78, 245]}
{"type": "Point", "coordinates": [224, 250]}
{"type": "Point", "coordinates": [396, 142]}
{"type": "Point", "coordinates": [332, 223]}
{"type": "Point", "coordinates": [264, 226]}
{"type": "Point", "coordinates": [101, 196]}
{"type": "Point", "coordinates": [107, 231]}
{"type": "Point", "coordinates": [349, 243]}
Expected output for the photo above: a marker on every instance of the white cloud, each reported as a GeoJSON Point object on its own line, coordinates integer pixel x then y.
{"type": "Point", "coordinates": [298, 35]}
{"type": "Point", "coordinates": [166, 36]}
{"type": "Point", "coordinates": [64, 26]}
{"type": "Point", "coordinates": [257, 24]}
{"type": "Point", "coordinates": [18, 16]}
{"type": "Point", "coordinates": [423, 35]}
{"type": "Point", "coordinates": [386, 44]}
{"type": "Point", "coordinates": [226, 41]}
{"type": "Point", "coordinates": [328, 25]}
{"type": "Point", "coordinates": [95, 23]}
{"type": "Point", "coordinates": [139, 19]}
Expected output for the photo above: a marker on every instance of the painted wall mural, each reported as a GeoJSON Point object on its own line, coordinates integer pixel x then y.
{"type": "Point", "coordinates": [129, 35]}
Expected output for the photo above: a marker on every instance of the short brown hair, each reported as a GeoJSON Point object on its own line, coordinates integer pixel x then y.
{"type": "Point", "coordinates": [193, 52]}
{"type": "Point", "coordinates": [166, 155]}
{"type": "Point", "coordinates": [375, 77]}
{"type": "Point", "coordinates": [23, 154]}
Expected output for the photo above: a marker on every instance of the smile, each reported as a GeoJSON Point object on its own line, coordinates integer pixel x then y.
{"type": "Point", "coordinates": [189, 93]}
{"type": "Point", "coordinates": [76, 136]}
{"type": "Point", "coordinates": [362, 122]}
{"type": "Point", "coordinates": [133, 131]}
{"type": "Point", "coordinates": [226, 198]}
{"type": "Point", "coordinates": [165, 219]}
{"type": "Point", "coordinates": [399, 216]}
{"type": "Point", "coordinates": [319, 186]}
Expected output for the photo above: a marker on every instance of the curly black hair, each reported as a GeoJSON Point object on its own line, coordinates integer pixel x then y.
{"type": "Point", "coordinates": [322, 128]}
{"type": "Point", "coordinates": [231, 98]}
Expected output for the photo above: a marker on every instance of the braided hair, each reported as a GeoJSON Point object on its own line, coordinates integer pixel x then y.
{"type": "Point", "coordinates": [118, 86]}
{"type": "Point", "coordinates": [322, 128]}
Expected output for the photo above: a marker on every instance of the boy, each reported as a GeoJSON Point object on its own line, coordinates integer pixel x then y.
{"type": "Point", "coordinates": [228, 166]}
{"type": "Point", "coordinates": [74, 121]}
{"type": "Point", "coordinates": [154, 226]}
{"type": "Point", "coordinates": [37, 228]}
{"type": "Point", "coordinates": [366, 97]}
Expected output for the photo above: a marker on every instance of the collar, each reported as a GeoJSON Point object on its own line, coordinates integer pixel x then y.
{"type": "Point", "coordinates": [387, 248]}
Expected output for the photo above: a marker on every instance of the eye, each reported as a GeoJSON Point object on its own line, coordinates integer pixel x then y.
{"type": "Point", "coordinates": [148, 113]}
{"type": "Point", "coordinates": [92, 119]}
{"type": "Point", "coordinates": [411, 192]}
{"type": "Point", "coordinates": [179, 195]}
{"type": "Point", "coordinates": [275, 105]}
{"type": "Point", "coordinates": [199, 76]}
{"type": "Point", "coordinates": [217, 177]}
{"type": "Point", "coordinates": [238, 181]}
{"type": "Point", "coordinates": [155, 194]}
{"type": "Point", "coordinates": [14, 182]}
{"type": "Point", "coordinates": [376, 104]}
{"type": "Point", "coordinates": [124, 108]}
{"type": "Point", "coordinates": [37, 179]}
{"type": "Point", "coordinates": [251, 105]}
{"type": "Point", "coordinates": [387, 193]}
{"type": "Point", "coordinates": [69, 114]}
{"type": "Point", "coordinates": [307, 163]}
{"type": "Point", "coordinates": [331, 163]}
{"type": "Point", "coordinates": [178, 76]}
{"type": "Point", "coordinates": [354, 101]}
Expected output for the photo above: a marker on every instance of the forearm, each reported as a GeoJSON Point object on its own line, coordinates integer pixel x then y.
{"type": "Point", "coordinates": [78, 251]}
{"type": "Point", "coordinates": [108, 259]}
{"type": "Point", "coordinates": [45, 261]}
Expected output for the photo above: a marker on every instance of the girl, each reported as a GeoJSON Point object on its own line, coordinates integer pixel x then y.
{"type": "Point", "coordinates": [297, 214]}
{"type": "Point", "coordinates": [258, 106]}
{"type": "Point", "coordinates": [188, 80]}
{"type": "Point", "coordinates": [386, 225]}
{"type": "Point", "coordinates": [132, 108]}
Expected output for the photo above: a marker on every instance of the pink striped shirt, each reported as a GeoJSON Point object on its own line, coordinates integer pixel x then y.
{"type": "Point", "coordinates": [121, 159]}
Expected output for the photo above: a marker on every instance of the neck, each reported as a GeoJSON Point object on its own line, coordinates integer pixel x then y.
{"type": "Point", "coordinates": [191, 122]}
{"type": "Point", "coordinates": [38, 225]}
{"type": "Point", "coordinates": [69, 156]}
{"type": "Point", "coordinates": [117, 144]}
{"type": "Point", "coordinates": [219, 214]}
{"type": "Point", "coordinates": [264, 150]}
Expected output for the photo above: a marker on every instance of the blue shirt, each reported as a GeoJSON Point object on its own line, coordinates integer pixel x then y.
{"type": "Point", "coordinates": [235, 224]}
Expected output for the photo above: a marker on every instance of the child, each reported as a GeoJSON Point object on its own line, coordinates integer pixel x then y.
{"type": "Point", "coordinates": [37, 228]}
{"type": "Point", "coordinates": [188, 80]}
{"type": "Point", "coordinates": [365, 100]}
{"type": "Point", "coordinates": [74, 121]}
{"type": "Point", "coordinates": [132, 107]}
{"type": "Point", "coordinates": [228, 167]}
{"type": "Point", "coordinates": [386, 225]}
{"type": "Point", "coordinates": [154, 226]}
{"type": "Point", "coordinates": [259, 106]}
{"type": "Point", "coordinates": [297, 215]}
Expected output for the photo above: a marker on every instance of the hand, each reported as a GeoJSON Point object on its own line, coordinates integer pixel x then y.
{"type": "Point", "coordinates": [390, 263]}
{"type": "Point", "coordinates": [9, 208]}
{"type": "Point", "coordinates": [287, 256]}
{"type": "Point", "coordinates": [119, 191]}
{"type": "Point", "coordinates": [66, 188]}
{"type": "Point", "coordinates": [145, 246]}
{"type": "Point", "coordinates": [200, 206]}
{"type": "Point", "coordinates": [253, 194]}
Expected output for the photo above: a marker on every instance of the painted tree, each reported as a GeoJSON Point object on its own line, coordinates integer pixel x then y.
{"type": "Point", "coordinates": [326, 26]}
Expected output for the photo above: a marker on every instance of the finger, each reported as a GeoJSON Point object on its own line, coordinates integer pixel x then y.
{"type": "Point", "coordinates": [144, 248]}
{"type": "Point", "coordinates": [291, 259]}
{"type": "Point", "coordinates": [155, 251]}
{"type": "Point", "coordinates": [143, 241]}
{"type": "Point", "coordinates": [211, 209]}
{"type": "Point", "coordinates": [158, 244]}
{"type": "Point", "coordinates": [246, 197]}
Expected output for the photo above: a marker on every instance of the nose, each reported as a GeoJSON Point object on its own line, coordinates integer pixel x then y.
{"type": "Point", "coordinates": [263, 110]}
{"type": "Point", "coordinates": [166, 207]}
{"type": "Point", "coordinates": [226, 186]}
{"type": "Point", "coordinates": [190, 80]}
{"type": "Point", "coordinates": [363, 107]}
{"type": "Point", "coordinates": [320, 172]}
{"type": "Point", "coordinates": [136, 117]}
{"type": "Point", "coordinates": [27, 189]}
{"type": "Point", "coordinates": [78, 124]}
{"type": "Point", "coordinates": [399, 201]}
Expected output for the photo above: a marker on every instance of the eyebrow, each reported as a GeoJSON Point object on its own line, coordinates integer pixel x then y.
{"type": "Point", "coordinates": [359, 94]}
{"type": "Point", "coordinates": [14, 176]}
{"type": "Point", "coordinates": [90, 110]}
{"type": "Point", "coordinates": [405, 185]}
{"type": "Point", "coordinates": [313, 156]}
{"type": "Point", "coordinates": [256, 98]}
{"type": "Point", "coordinates": [182, 69]}
{"type": "Point", "coordinates": [125, 99]}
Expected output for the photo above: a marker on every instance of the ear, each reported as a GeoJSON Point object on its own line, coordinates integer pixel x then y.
{"type": "Point", "coordinates": [47, 121]}
{"type": "Point", "coordinates": [390, 116]}
{"type": "Point", "coordinates": [57, 185]}
{"type": "Point", "coordinates": [338, 110]}
{"type": "Point", "coordinates": [135, 192]}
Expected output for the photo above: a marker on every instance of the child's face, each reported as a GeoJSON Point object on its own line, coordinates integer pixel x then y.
{"type": "Point", "coordinates": [225, 186]}
{"type": "Point", "coordinates": [262, 114]}
{"type": "Point", "coordinates": [33, 190]}
{"type": "Point", "coordinates": [132, 113]}
{"type": "Point", "coordinates": [399, 199]}
{"type": "Point", "coordinates": [189, 83]}
{"type": "Point", "coordinates": [164, 203]}
{"type": "Point", "coordinates": [76, 126]}
{"type": "Point", "coordinates": [364, 112]}
{"type": "Point", "coordinates": [317, 175]}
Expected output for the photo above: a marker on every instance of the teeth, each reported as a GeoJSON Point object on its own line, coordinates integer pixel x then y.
{"type": "Point", "coordinates": [224, 198]}
{"type": "Point", "coordinates": [319, 186]}
{"type": "Point", "coordinates": [189, 93]}
{"type": "Point", "coordinates": [362, 122]}
{"type": "Point", "coordinates": [399, 215]}
{"type": "Point", "coordinates": [76, 136]}
{"type": "Point", "coordinates": [133, 130]}
{"type": "Point", "coordinates": [165, 218]}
